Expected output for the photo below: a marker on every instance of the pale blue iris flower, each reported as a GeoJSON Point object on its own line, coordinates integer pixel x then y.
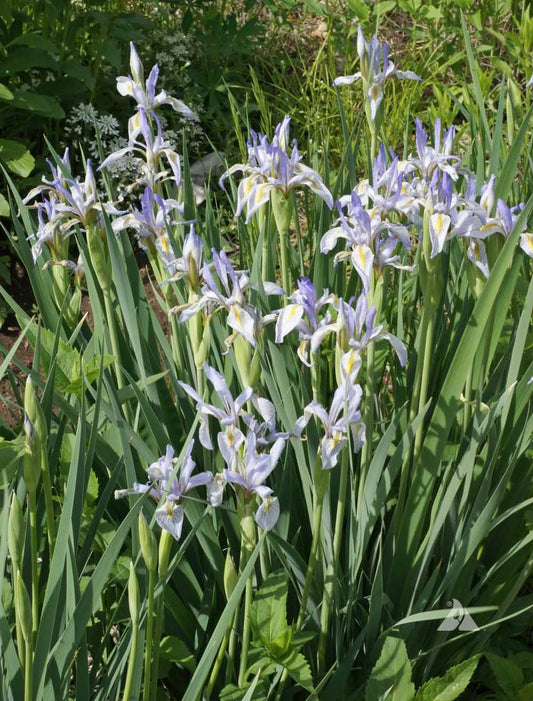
{"type": "Point", "coordinates": [172, 485]}
{"type": "Point", "coordinates": [376, 68]}
{"type": "Point", "coordinates": [247, 469]}
{"type": "Point", "coordinates": [228, 291]}
{"type": "Point", "coordinates": [144, 92]}
{"type": "Point", "coordinates": [270, 167]}
{"type": "Point", "coordinates": [355, 330]}
{"type": "Point", "coordinates": [371, 241]}
{"type": "Point", "coordinates": [304, 302]}
{"type": "Point", "coordinates": [150, 150]}
{"type": "Point", "coordinates": [343, 415]}
{"type": "Point", "coordinates": [152, 222]}
{"type": "Point", "coordinates": [71, 203]}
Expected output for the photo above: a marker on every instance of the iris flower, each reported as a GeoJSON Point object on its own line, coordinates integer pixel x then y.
{"type": "Point", "coordinates": [376, 68]}
{"type": "Point", "coordinates": [270, 167]}
{"type": "Point", "coordinates": [346, 401]}
{"type": "Point", "coordinates": [165, 483]}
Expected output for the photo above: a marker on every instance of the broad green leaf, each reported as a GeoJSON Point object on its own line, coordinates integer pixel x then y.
{"type": "Point", "coordinates": [17, 157]}
{"type": "Point", "coordinates": [174, 649]}
{"type": "Point", "coordinates": [298, 668]}
{"type": "Point", "coordinates": [23, 59]}
{"type": "Point", "coordinates": [4, 207]}
{"type": "Point", "coordinates": [45, 105]}
{"type": "Point", "coordinates": [252, 691]}
{"type": "Point", "coordinates": [5, 93]}
{"type": "Point", "coordinates": [392, 674]}
{"type": "Point", "coordinates": [449, 686]}
{"type": "Point", "coordinates": [508, 674]}
{"type": "Point", "coordinates": [268, 615]}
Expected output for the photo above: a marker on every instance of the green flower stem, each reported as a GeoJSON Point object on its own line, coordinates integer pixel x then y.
{"type": "Point", "coordinates": [376, 298]}
{"type": "Point", "coordinates": [165, 544]}
{"type": "Point", "coordinates": [128, 686]}
{"type": "Point", "coordinates": [332, 565]}
{"type": "Point", "coordinates": [149, 636]}
{"type": "Point", "coordinates": [467, 413]}
{"type": "Point", "coordinates": [28, 671]}
{"type": "Point", "coordinates": [248, 538]}
{"type": "Point", "coordinates": [232, 647]}
{"type": "Point", "coordinates": [218, 664]}
{"type": "Point", "coordinates": [32, 503]}
{"type": "Point", "coordinates": [21, 643]}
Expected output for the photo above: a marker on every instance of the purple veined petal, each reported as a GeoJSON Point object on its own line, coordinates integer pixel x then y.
{"type": "Point", "coordinates": [267, 410]}
{"type": "Point", "coordinates": [289, 317]}
{"type": "Point", "coordinates": [358, 436]}
{"type": "Point", "coordinates": [116, 156]}
{"type": "Point", "coordinates": [261, 195]}
{"type": "Point", "coordinates": [316, 409]}
{"type": "Point", "coordinates": [163, 468]}
{"type": "Point", "coordinates": [220, 386]}
{"type": "Point", "coordinates": [191, 309]}
{"type": "Point", "coordinates": [228, 446]}
{"type": "Point", "coordinates": [319, 335]}
{"type": "Point", "coordinates": [267, 514]}
{"type": "Point", "coordinates": [199, 480]}
{"type": "Point", "coordinates": [330, 447]}
{"type": "Point", "coordinates": [192, 393]}
{"type": "Point", "coordinates": [307, 176]}
{"type": "Point", "coordinates": [242, 322]}
{"type": "Point", "coordinates": [235, 478]}
{"type": "Point", "coordinates": [150, 85]}
{"type": "Point", "coordinates": [125, 86]}
{"type": "Point", "coordinates": [170, 518]}
{"type": "Point", "coordinates": [241, 400]}
{"type": "Point", "coordinates": [351, 363]}
{"type": "Point", "coordinates": [177, 105]}
{"type": "Point", "coordinates": [505, 215]}
{"type": "Point", "coordinates": [204, 436]}
{"type": "Point", "coordinates": [439, 226]}
{"type": "Point", "coordinates": [398, 346]}
{"type": "Point", "coordinates": [215, 490]}
{"type": "Point", "coordinates": [186, 468]}
{"type": "Point", "coordinates": [375, 97]}
{"type": "Point", "coordinates": [346, 79]}
{"type": "Point", "coordinates": [363, 260]}
{"type": "Point", "coordinates": [526, 243]}
{"type": "Point", "coordinates": [134, 128]}
{"type": "Point", "coordinates": [337, 405]}
{"type": "Point", "coordinates": [271, 288]}
{"type": "Point", "coordinates": [478, 255]}
{"type": "Point", "coordinates": [330, 238]}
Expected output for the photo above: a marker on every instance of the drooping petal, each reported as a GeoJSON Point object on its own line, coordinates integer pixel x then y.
{"type": "Point", "coordinates": [439, 225]}
{"type": "Point", "coordinates": [267, 514]}
{"type": "Point", "coordinates": [241, 321]}
{"type": "Point", "coordinates": [289, 317]}
{"type": "Point", "coordinates": [170, 517]}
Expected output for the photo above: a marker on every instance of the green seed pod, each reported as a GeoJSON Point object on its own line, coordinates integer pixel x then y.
{"type": "Point", "coordinates": [148, 544]}
{"type": "Point", "coordinates": [23, 607]}
{"type": "Point", "coordinates": [15, 531]}
{"type": "Point", "coordinates": [133, 595]}
{"type": "Point", "coordinates": [230, 575]}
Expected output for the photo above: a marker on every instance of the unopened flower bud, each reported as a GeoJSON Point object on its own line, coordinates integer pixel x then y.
{"type": "Point", "coordinates": [133, 595]}
{"type": "Point", "coordinates": [230, 575]}
{"type": "Point", "coordinates": [148, 544]}
{"type": "Point", "coordinates": [23, 607]}
{"type": "Point", "coordinates": [15, 530]}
